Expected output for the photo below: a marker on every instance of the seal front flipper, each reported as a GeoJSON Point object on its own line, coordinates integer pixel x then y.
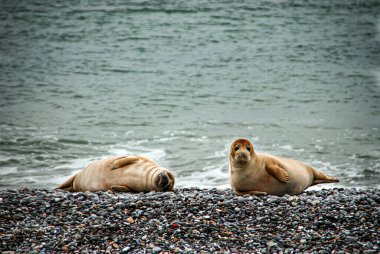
{"type": "Point", "coordinates": [120, 188]}
{"type": "Point", "coordinates": [277, 172]}
{"type": "Point", "coordinates": [124, 161]}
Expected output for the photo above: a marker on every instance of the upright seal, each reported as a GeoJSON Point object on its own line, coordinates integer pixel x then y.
{"type": "Point", "coordinates": [121, 173]}
{"type": "Point", "coordinates": [260, 174]}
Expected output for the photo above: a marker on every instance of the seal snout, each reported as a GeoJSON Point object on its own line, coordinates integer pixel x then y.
{"type": "Point", "coordinates": [242, 157]}
{"type": "Point", "coordinates": [165, 181]}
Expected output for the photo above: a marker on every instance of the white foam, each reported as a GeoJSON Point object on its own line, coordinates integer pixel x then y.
{"type": "Point", "coordinates": [165, 139]}
{"type": "Point", "coordinates": [220, 154]}
{"type": "Point", "coordinates": [73, 166]}
{"type": "Point", "coordinates": [154, 153]}
{"type": "Point", "coordinates": [76, 164]}
{"type": "Point", "coordinates": [205, 178]}
{"type": "Point", "coordinates": [327, 167]}
{"type": "Point", "coordinates": [8, 170]}
{"type": "Point", "coordinates": [62, 178]}
{"type": "Point", "coordinates": [202, 139]}
{"type": "Point", "coordinates": [128, 133]}
{"type": "Point", "coordinates": [290, 148]}
{"type": "Point", "coordinates": [179, 133]}
{"type": "Point", "coordinates": [324, 186]}
{"type": "Point", "coordinates": [223, 186]}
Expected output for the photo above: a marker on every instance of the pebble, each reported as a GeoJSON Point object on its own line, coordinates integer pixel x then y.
{"type": "Point", "coordinates": [189, 220]}
{"type": "Point", "coordinates": [130, 220]}
{"type": "Point", "coordinates": [125, 250]}
{"type": "Point", "coordinates": [156, 249]}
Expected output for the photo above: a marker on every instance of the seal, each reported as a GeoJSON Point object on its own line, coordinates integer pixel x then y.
{"type": "Point", "coordinates": [260, 174]}
{"type": "Point", "coordinates": [121, 174]}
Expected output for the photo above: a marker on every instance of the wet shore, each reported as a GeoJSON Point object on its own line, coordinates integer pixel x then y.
{"type": "Point", "coordinates": [189, 220]}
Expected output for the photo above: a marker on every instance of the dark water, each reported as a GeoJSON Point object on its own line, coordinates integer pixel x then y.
{"type": "Point", "coordinates": [178, 81]}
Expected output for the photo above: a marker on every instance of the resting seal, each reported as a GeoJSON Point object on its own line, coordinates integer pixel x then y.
{"type": "Point", "coordinates": [121, 173]}
{"type": "Point", "coordinates": [260, 174]}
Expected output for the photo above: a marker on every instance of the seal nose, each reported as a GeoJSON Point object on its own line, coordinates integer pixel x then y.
{"type": "Point", "coordinates": [162, 182]}
{"type": "Point", "coordinates": [243, 155]}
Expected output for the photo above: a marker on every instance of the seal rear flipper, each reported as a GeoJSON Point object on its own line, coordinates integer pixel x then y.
{"type": "Point", "coordinates": [315, 182]}
{"type": "Point", "coordinates": [277, 172]}
{"type": "Point", "coordinates": [319, 177]}
{"type": "Point", "coordinates": [120, 188]}
{"type": "Point", "coordinates": [68, 185]}
{"type": "Point", "coordinates": [256, 193]}
{"type": "Point", "coordinates": [124, 161]}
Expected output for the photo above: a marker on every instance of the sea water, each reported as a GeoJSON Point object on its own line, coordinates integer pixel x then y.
{"type": "Point", "coordinates": [178, 81]}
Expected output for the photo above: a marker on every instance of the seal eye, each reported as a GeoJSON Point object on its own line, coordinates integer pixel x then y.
{"type": "Point", "coordinates": [236, 148]}
{"type": "Point", "coordinates": [248, 149]}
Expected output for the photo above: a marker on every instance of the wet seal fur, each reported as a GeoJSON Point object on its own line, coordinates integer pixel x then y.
{"type": "Point", "coordinates": [260, 174]}
{"type": "Point", "coordinates": [121, 174]}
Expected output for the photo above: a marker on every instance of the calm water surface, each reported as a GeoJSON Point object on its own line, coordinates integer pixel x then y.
{"type": "Point", "coordinates": [178, 81]}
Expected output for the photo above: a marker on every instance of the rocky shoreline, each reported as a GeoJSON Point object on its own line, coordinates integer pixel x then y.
{"type": "Point", "coordinates": [189, 220]}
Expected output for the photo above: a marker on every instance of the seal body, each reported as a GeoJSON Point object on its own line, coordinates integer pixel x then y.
{"type": "Point", "coordinates": [261, 174]}
{"type": "Point", "coordinates": [121, 173]}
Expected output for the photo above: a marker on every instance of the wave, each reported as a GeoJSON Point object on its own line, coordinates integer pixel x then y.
{"type": "Point", "coordinates": [207, 177]}
{"type": "Point", "coordinates": [155, 153]}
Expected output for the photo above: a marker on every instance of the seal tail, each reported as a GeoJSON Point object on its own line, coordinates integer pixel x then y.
{"type": "Point", "coordinates": [68, 185]}
{"type": "Point", "coordinates": [319, 177]}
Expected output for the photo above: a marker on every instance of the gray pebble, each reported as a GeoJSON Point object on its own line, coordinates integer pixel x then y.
{"type": "Point", "coordinates": [194, 219]}
{"type": "Point", "coordinates": [156, 249]}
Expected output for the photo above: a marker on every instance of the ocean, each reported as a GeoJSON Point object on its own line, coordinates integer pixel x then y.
{"type": "Point", "coordinates": [178, 81]}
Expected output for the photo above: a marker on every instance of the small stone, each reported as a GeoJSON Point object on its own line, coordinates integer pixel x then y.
{"type": "Point", "coordinates": [303, 241]}
{"type": "Point", "coordinates": [177, 250]}
{"type": "Point", "coordinates": [130, 220]}
{"type": "Point", "coordinates": [271, 244]}
{"type": "Point", "coordinates": [16, 231]}
{"type": "Point", "coordinates": [126, 249]}
{"type": "Point", "coordinates": [293, 198]}
{"type": "Point", "coordinates": [351, 239]}
{"type": "Point", "coordinates": [313, 202]}
{"type": "Point", "coordinates": [156, 249]}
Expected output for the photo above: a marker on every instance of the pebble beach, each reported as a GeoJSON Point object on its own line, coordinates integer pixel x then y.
{"type": "Point", "coordinates": [189, 220]}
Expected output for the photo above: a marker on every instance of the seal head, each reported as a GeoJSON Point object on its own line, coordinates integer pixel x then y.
{"type": "Point", "coordinates": [164, 181]}
{"type": "Point", "coordinates": [242, 151]}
